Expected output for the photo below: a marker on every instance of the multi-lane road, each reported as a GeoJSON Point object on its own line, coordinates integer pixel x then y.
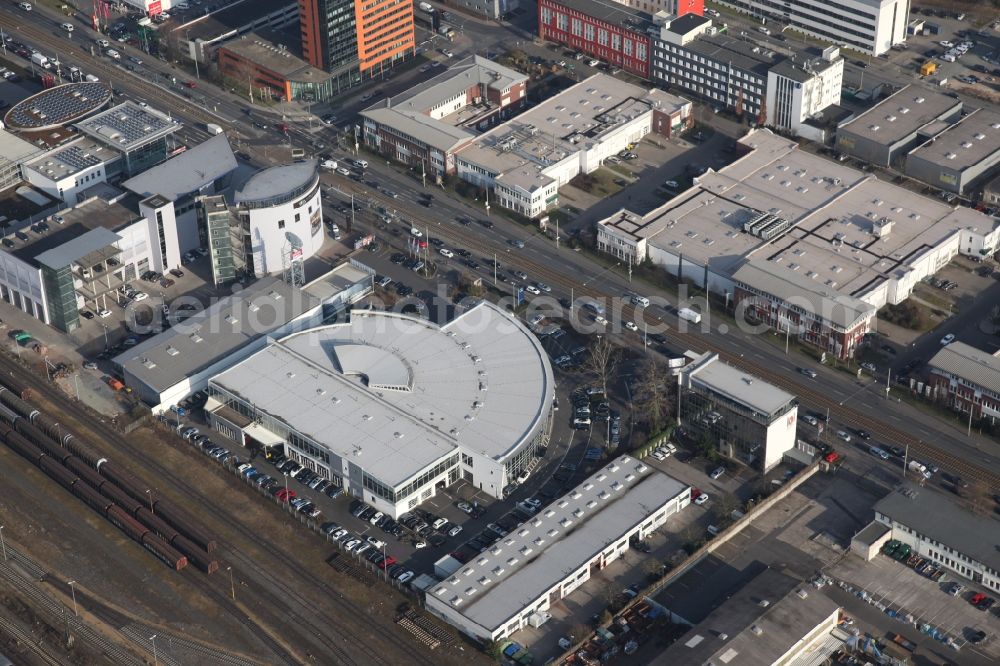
{"type": "Point", "coordinates": [851, 402]}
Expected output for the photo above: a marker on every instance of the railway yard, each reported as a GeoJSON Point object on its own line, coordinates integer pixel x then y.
{"type": "Point", "coordinates": [281, 604]}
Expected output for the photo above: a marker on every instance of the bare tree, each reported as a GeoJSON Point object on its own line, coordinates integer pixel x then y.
{"type": "Point", "coordinates": [652, 394]}
{"type": "Point", "coordinates": [603, 361]}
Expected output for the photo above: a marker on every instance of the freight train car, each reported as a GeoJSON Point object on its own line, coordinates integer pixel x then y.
{"type": "Point", "coordinates": [184, 526]}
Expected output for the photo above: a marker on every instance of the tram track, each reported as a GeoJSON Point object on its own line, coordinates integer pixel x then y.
{"type": "Point", "coordinates": [451, 233]}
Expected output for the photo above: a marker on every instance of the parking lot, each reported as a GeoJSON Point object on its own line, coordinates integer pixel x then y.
{"type": "Point", "coordinates": [893, 587]}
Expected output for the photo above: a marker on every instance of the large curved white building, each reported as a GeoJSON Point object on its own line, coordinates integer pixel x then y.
{"type": "Point", "coordinates": [393, 406]}
{"type": "Point", "coordinates": [281, 215]}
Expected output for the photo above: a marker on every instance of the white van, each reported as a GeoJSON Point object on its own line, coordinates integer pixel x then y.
{"type": "Point", "coordinates": [690, 315]}
{"type": "Point", "coordinates": [640, 300]}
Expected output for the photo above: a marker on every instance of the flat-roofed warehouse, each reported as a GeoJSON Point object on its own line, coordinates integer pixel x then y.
{"type": "Point", "coordinates": [394, 407]}
{"type": "Point", "coordinates": [896, 124]}
{"type": "Point", "coordinates": [544, 560]}
{"type": "Point", "coordinates": [961, 156]}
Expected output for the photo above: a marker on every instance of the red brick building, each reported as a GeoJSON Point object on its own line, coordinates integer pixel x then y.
{"type": "Point", "coordinates": [779, 298]}
{"type": "Point", "coordinates": [615, 33]}
{"type": "Point", "coordinates": [966, 379]}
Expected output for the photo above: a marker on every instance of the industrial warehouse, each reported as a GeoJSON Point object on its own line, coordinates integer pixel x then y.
{"type": "Point", "coordinates": [516, 581]}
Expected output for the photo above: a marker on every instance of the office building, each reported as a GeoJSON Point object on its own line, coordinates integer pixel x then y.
{"type": "Point", "coordinates": [353, 39]}
{"type": "Point", "coordinates": [887, 131]}
{"type": "Point", "coordinates": [426, 125]}
{"type": "Point", "coordinates": [743, 416]}
{"type": "Point", "coordinates": [772, 620]}
{"type": "Point", "coordinates": [525, 161]}
{"type": "Point", "coordinates": [78, 260]}
{"type": "Point", "coordinates": [66, 172]}
{"type": "Point", "coordinates": [966, 379]}
{"type": "Point", "coordinates": [393, 407]}
{"type": "Point", "coordinates": [776, 89]}
{"type": "Point", "coordinates": [961, 156]}
{"type": "Point", "coordinates": [870, 26]}
{"type": "Point", "coordinates": [200, 38]}
{"type": "Point", "coordinates": [799, 241]}
{"type": "Point", "coordinates": [141, 134]}
{"type": "Point", "coordinates": [281, 216]}
{"type": "Point", "coordinates": [169, 192]}
{"type": "Point", "coordinates": [272, 72]}
{"type": "Point", "coordinates": [566, 544]}
{"type": "Point", "coordinates": [937, 528]}
{"type": "Point", "coordinates": [611, 32]}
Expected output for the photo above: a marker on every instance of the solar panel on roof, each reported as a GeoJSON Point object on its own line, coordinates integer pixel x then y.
{"type": "Point", "coordinates": [58, 105]}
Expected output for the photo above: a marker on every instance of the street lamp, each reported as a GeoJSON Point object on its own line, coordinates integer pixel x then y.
{"type": "Point", "coordinates": [232, 587]}
{"type": "Point", "coordinates": [3, 546]}
{"type": "Point", "coordinates": [72, 589]}
{"type": "Point", "coordinates": [153, 639]}
{"type": "Point", "coordinates": [149, 491]}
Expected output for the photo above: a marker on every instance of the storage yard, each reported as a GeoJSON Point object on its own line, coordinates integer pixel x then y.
{"type": "Point", "coordinates": [271, 599]}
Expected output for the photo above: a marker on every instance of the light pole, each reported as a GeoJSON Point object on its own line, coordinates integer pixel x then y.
{"type": "Point", "coordinates": [149, 491]}
{"type": "Point", "coordinates": [3, 546]}
{"type": "Point", "coordinates": [232, 586]}
{"type": "Point", "coordinates": [72, 589]}
{"type": "Point", "coordinates": [153, 639]}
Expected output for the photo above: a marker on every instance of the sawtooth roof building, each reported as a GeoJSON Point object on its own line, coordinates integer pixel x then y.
{"type": "Point", "coordinates": [799, 241]}
{"type": "Point", "coordinates": [393, 407]}
{"type": "Point", "coordinates": [520, 577]}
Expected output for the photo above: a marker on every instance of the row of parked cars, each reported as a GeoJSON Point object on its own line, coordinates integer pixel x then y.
{"type": "Point", "coordinates": [371, 548]}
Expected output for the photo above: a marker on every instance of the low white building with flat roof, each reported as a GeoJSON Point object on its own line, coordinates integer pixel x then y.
{"type": "Point", "coordinates": [67, 171]}
{"type": "Point", "coordinates": [528, 158]}
{"type": "Point", "coordinates": [566, 544]}
{"type": "Point", "coordinates": [745, 417]}
{"type": "Point", "coordinates": [393, 407]}
{"type": "Point", "coordinates": [805, 222]}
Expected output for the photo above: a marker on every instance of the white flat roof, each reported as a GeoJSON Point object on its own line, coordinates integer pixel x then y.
{"type": "Point", "coordinates": [72, 158]}
{"type": "Point", "coordinates": [745, 389]}
{"type": "Point", "coordinates": [538, 555]}
{"type": "Point", "coordinates": [576, 119]}
{"type": "Point", "coordinates": [834, 212]}
{"type": "Point", "coordinates": [397, 393]}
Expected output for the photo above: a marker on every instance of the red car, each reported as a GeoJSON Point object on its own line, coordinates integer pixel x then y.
{"type": "Point", "coordinates": [285, 495]}
{"type": "Point", "coordinates": [977, 598]}
{"type": "Point", "coordinates": [387, 562]}
{"type": "Point", "coordinates": [282, 127]}
{"type": "Point", "coordinates": [190, 84]}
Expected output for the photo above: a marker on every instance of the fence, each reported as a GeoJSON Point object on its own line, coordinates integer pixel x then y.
{"type": "Point", "coordinates": [696, 557]}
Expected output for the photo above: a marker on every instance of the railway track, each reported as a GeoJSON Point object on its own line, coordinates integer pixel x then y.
{"type": "Point", "coordinates": [321, 625]}
{"type": "Point", "coordinates": [451, 233]}
{"type": "Point", "coordinates": [25, 576]}
{"type": "Point", "coordinates": [27, 641]}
